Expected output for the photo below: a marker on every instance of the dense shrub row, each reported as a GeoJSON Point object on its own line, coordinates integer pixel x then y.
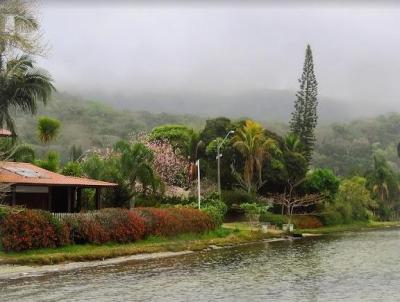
{"type": "Point", "coordinates": [275, 219]}
{"type": "Point", "coordinates": [30, 229]}
{"type": "Point", "coordinates": [307, 222]}
{"type": "Point", "coordinates": [173, 221]}
{"type": "Point", "coordinates": [157, 201]}
{"type": "Point", "coordinates": [299, 221]}
{"type": "Point", "coordinates": [118, 225]}
{"type": "Point", "coordinates": [236, 197]}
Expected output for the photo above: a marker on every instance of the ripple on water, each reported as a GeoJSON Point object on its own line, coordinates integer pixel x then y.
{"type": "Point", "coordinates": [351, 267]}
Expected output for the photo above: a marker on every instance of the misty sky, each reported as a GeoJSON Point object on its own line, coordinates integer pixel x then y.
{"type": "Point", "coordinates": [223, 48]}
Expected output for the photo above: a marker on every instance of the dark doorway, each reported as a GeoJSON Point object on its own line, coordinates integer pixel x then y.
{"type": "Point", "coordinates": [59, 199]}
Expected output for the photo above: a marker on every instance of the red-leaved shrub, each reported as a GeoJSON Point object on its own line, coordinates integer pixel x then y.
{"type": "Point", "coordinates": [30, 229]}
{"type": "Point", "coordinates": [86, 229]}
{"type": "Point", "coordinates": [193, 220]}
{"type": "Point", "coordinates": [307, 221]}
{"type": "Point", "coordinates": [118, 225]}
{"type": "Point", "coordinates": [160, 222]}
{"type": "Point", "coordinates": [123, 225]}
{"type": "Point", "coordinates": [174, 221]}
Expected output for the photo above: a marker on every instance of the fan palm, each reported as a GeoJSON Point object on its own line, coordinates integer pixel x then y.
{"type": "Point", "coordinates": [21, 87]}
{"type": "Point", "coordinates": [251, 142]}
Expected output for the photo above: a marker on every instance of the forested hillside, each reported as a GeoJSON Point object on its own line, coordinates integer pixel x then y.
{"type": "Point", "coordinates": [266, 105]}
{"type": "Point", "coordinates": [88, 123]}
{"type": "Point", "coordinates": [347, 148]}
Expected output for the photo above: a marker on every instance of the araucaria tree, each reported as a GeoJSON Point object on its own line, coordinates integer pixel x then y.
{"type": "Point", "coordinates": [304, 117]}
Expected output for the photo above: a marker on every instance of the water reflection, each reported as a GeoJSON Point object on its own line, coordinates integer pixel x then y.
{"type": "Point", "coordinates": [352, 267]}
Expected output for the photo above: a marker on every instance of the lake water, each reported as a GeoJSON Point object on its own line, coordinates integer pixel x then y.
{"type": "Point", "coordinates": [351, 267]}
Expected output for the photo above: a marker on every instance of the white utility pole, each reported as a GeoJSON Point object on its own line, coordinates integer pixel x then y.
{"type": "Point", "coordinates": [198, 183]}
{"type": "Point", "coordinates": [219, 155]}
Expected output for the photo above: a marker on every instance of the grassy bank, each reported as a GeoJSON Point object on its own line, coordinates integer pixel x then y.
{"type": "Point", "coordinates": [89, 252]}
{"type": "Point", "coordinates": [230, 234]}
{"type": "Point", "coordinates": [355, 226]}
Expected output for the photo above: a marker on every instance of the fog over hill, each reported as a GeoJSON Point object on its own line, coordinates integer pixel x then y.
{"type": "Point", "coordinates": [241, 59]}
{"type": "Point", "coordinates": [263, 105]}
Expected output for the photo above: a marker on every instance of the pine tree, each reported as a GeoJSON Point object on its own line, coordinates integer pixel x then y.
{"type": "Point", "coordinates": [304, 117]}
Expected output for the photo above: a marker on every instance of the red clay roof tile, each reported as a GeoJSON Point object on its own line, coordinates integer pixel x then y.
{"type": "Point", "coordinates": [29, 174]}
{"type": "Point", "coordinates": [5, 132]}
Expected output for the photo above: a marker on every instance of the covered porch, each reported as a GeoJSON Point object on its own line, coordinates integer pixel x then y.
{"type": "Point", "coordinates": [37, 188]}
{"type": "Point", "coordinates": [57, 199]}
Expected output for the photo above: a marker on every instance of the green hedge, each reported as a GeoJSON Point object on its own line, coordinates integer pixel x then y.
{"type": "Point", "coordinates": [275, 219]}
{"type": "Point", "coordinates": [236, 197]}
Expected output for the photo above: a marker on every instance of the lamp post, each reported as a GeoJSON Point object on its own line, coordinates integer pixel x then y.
{"type": "Point", "coordinates": [219, 160]}
{"type": "Point", "coordinates": [198, 183]}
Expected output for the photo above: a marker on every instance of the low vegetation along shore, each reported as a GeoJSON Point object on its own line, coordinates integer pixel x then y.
{"type": "Point", "coordinates": [229, 235]}
{"type": "Point", "coordinates": [89, 252]}
{"type": "Point", "coordinates": [355, 226]}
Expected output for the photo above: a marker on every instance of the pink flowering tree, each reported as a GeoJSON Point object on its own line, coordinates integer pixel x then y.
{"type": "Point", "coordinates": [168, 163]}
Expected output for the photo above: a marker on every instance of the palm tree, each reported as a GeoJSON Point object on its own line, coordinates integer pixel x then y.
{"type": "Point", "coordinates": [22, 34]}
{"type": "Point", "coordinates": [11, 149]}
{"type": "Point", "coordinates": [48, 129]}
{"type": "Point", "coordinates": [382, 176]}
{"type": "Point", "coordinates": [136, 162]}
{"type": "Point", "coordinates": [21, 83]}
{"type": "Point", "coordinates": [24, 153]}
{"type": "Point", "coordinates": [191, 150]}
{"type": "Point", "coordinates": [251, 142]}
{"type": "Point", "coordinates": [293, 143]}
{"type": "Point", "coordinates": [384, 185]}
{"type": "Point", "coordinates": [21, 86]}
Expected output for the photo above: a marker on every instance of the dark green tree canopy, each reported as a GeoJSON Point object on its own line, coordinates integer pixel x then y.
{"type": "Point", "coordinates": [321, 181]}
{"type": "Point", "coordinates": [185, 140]}
{"type": "Point", "coordinates": [177, 135]}
{"type": "Point", "coordinates": [214, 128]}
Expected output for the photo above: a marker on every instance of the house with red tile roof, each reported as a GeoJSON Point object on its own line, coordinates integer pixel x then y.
{"type": "Point", "coordinates": [34, 187]}
{"type": "Point", "coordinates": [5, 132]}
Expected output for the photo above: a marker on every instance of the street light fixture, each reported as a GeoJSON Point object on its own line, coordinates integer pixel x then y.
{"type": "Point", "coordinates": [219, 155]}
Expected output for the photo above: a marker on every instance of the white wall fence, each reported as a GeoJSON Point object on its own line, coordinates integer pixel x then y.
{"type": "Point", "coordinates": [62, 216]}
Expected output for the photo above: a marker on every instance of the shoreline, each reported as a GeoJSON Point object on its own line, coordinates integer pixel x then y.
{"type": "Point", "coordinates": [40, 262]}
{"type": "Point", "coordinates": [354, 227]}
{"type": "Point", "coordinates": [17, 271]}
{"type": "Point", "coordinates": [10, 271]}
{"type": "Point", "coordinates": [223, 237]}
